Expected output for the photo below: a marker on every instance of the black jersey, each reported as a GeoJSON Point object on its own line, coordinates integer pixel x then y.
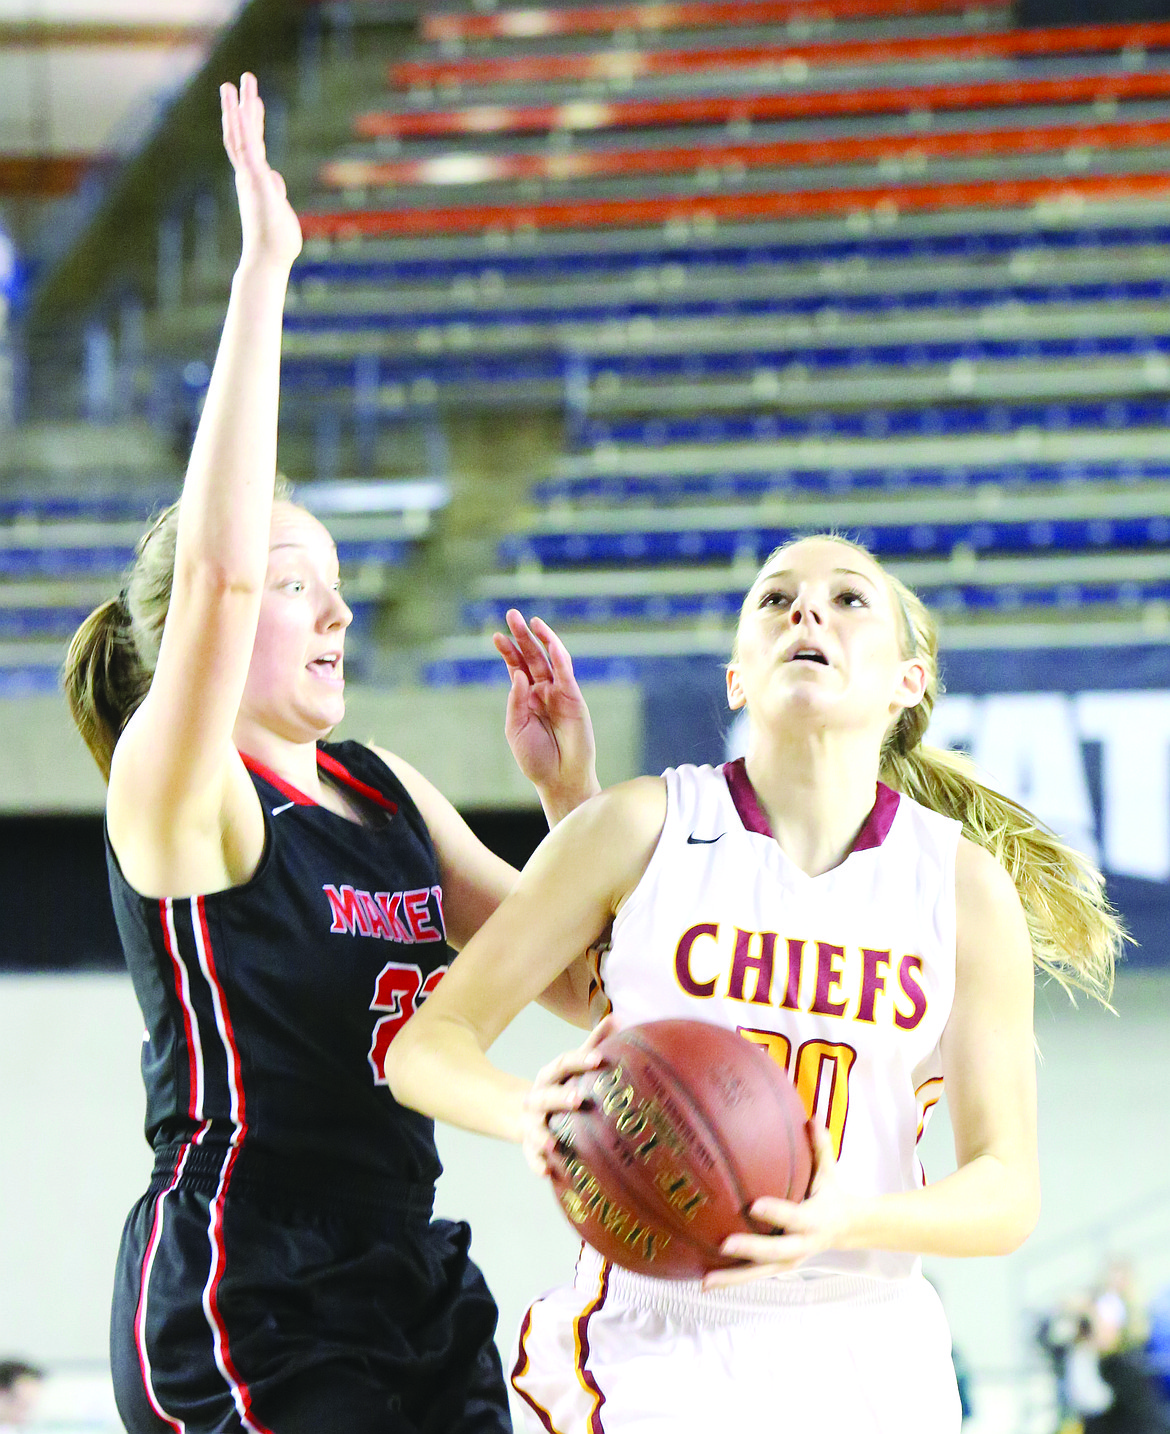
{"type": "Point", "coordinates": [269, 1006]}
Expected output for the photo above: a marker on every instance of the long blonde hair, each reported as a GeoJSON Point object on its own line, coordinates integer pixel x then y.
{"type": "Point", "coordinates": [112, 657]}
{"type": "Point", "coordinates": [1076, 934]}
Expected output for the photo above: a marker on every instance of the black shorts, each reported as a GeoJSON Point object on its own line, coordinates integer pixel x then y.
{"type": "Point", "coordinates": [341, 1309]}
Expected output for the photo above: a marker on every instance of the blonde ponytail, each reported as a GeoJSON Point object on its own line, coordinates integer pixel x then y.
{"type": "Point", "coordinates": [112, 656]}
{"type": "Point", "coordinates": [1076, 934]}
{"type": "Point", "coordinates": [104, 679]}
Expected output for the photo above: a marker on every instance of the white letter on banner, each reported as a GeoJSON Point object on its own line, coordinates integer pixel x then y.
{"type": "Point", "coordinates": [1028, 744]}
{"type": "Point", "coordinates": [1134, 730]}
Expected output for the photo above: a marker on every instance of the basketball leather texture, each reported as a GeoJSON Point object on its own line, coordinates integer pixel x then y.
{"type": "Point", "coordinates": [685, 1125]}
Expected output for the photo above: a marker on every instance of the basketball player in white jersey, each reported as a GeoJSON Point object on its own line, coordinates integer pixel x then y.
{"type": "Point", "coordinates": [843, 898]}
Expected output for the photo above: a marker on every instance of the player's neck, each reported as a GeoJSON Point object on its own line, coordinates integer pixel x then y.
{"type": "Point", "coordinates": [817, 794]}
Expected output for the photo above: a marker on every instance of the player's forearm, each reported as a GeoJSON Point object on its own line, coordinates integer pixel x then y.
{"type": "Point", "coordinates": [227, 495]}
{"type": "Point", "coordinates": [559, 801]}
{"type": "Point", "coordinates": [437, 1067]}
{"type": "Point", "coordinates": [987, 1207]}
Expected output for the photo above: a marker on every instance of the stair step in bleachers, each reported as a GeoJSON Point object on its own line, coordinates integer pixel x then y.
{"type": "Point", "coordinates": [1131, 517]}
{"type": "Point", "coordinates": [1041, 308]}
{"type": "Point", "coordinates": [789, 59]}
{"type": "Point", "coordinates": [498, 258]}
{"type": "Point", "coordinates": [536, 21]}
{"type": "Point", "coordinates": [934, 421]}
{"type": "Point", "coordinates": [667, 489]}
{"type": "Point", "coordinates": [713, 162]}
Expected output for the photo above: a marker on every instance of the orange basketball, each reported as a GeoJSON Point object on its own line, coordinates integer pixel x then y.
{"type": "Point", "coordinates": [685, 1125]}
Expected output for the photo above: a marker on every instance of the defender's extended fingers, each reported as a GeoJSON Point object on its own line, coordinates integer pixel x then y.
{"type": "Point", "coordinates": [229, 107]}
{"type": "Point", "coordinates": [529, 645]}
{"type": "Point", "coordinates": [508, 651]}
{"type": "Point", "coordinates": [558, 653]}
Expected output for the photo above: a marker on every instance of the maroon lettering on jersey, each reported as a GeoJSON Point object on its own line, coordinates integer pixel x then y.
{"type": "Point", "coordinates": [743, 962]}
{"type": "Point", "coordinates": [828, 976]}
{"type": "Point", "coordinates": [872, 982]}
{"type": "Point", "coordinates": [682, 961]}
{"type": "Point", "coordinates": [910, 987]}
{"type": "Point", "coordinates": [795, 962]}
{"type": "Point", "coordinates": [407, 917]}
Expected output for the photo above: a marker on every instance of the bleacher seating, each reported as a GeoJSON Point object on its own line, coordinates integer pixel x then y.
{"type": "Point", "coordinates": [891, 267]}
{"type": "Point", "coordinates": [896, 270]}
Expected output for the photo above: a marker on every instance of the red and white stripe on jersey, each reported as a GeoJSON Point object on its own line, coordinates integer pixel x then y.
{"type": "Point", "coordinates": [184, 920]}
{"type": "Point", "coordinates": [143, 1297]}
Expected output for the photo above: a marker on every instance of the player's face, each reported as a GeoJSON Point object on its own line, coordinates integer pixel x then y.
{"type": "Point", "coordinates": [296, 683]}
{"type": "Point", "coordinates": [820, 636]}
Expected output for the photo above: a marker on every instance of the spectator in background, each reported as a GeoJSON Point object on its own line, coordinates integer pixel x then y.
{"type": "Point", "coordinates": [1067, 1338]}
{"type": "Point", "coordinates": [1120, 1333]}
{"type": "Point", "coordinates": [20, 1392]}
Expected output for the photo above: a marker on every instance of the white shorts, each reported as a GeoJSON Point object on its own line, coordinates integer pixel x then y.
{"type": "Point", "coordinates": [616, 1353]}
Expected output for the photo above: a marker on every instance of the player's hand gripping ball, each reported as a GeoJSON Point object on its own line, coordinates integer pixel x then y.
{"type": "Point", "coordinates": [684, 1125]}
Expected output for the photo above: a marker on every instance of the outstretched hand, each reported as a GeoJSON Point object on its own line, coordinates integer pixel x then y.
{"type": "Point", "coordinates": [271, 229]}
{"type": "Point", "coordinates": [547, 723]}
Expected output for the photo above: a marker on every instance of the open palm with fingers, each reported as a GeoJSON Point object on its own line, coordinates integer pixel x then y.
{"type": "Point", "coordinates": [272, 231]}
{"type": "Point", "coordinates": [547, 722]}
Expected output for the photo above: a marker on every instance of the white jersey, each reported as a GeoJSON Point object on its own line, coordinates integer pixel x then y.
{"type": "Point", "coordinates": [846, 978]}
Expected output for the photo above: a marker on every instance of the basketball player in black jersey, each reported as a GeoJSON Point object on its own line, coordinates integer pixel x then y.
{"type": "Point", "coordinates": [285, 905]}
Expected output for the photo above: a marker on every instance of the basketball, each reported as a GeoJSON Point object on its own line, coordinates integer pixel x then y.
{"type": "Point", "coordinates": [685, 1124]}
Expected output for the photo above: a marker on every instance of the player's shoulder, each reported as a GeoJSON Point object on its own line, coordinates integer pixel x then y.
{"type": "Point", "coordinates": [982, 883]}
{"type": "Point", "coordinates": [640, 802]}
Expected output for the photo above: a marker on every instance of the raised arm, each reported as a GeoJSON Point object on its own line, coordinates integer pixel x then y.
{"type": "Point", "coordinates": [176, 778]}
{"type": "Point", "coordinates": [565, 897]}
{"type": "Point", "coordinates": [547, 722]}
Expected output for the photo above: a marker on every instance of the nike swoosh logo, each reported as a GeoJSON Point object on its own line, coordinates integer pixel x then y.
{"type": "Point", "coordinates": [276, 811]}
{"type": "Point", "coordinates": [693, 840]}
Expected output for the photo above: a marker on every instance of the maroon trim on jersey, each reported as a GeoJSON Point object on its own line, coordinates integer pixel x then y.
{"type": "Point", "coordinates": [335, 769]}
{"type": "Point", "coordinates": [287, 788]}
{"type": "Point", "coordinates": [584, 1373]}
{"type": "Point", "coordinates": [874, 829]}
{"type": "Point", "coordinates": [876, 826]}
{"type": "Point", "coordinates": [520, 1368]}
{"type": "Point", "coordinates": [327, 764]}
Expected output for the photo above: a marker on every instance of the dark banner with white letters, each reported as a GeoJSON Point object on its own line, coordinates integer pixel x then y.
{"type": "Point", "coordinates": [1081, 737]}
